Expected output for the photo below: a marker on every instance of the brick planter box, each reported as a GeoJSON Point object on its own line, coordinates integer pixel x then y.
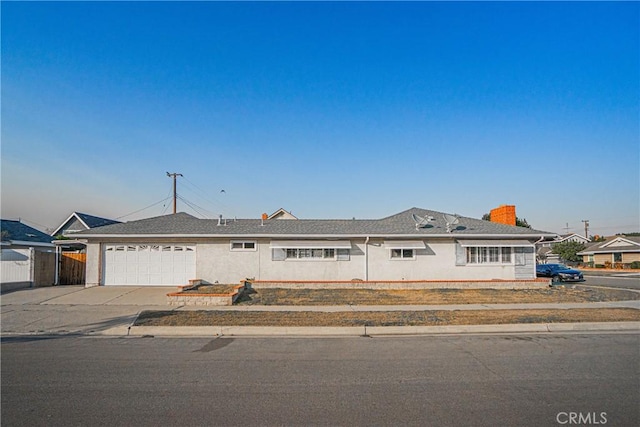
{"type": "Point", "coordinates": [185, 298]}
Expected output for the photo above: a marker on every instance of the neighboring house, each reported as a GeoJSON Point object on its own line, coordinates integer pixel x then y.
{"type": "Point", "coordinates": [572, 238]}
{"type": "Point", "coordinates": [544, 249]}
{"type": "Point", "coordinates": [70, 256]}
{"type": "Point", "coordinates": [282, 214]}
{"type": "Point", "coordinates": [78, 221]}
{"type": "Point", "coordinates": [27, 257]}
{"type": "Point", "coordinates": [615, 251]}
{"type": "Point", "coordinates": [17, 235]}
{"type": "Point", "coordinates": [172, 249]}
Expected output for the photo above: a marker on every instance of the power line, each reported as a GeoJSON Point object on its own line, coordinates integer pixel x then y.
{"type": "Point", "coordinates": [145, 208]}
{"type": "Point", "coordinates": [195, 207]}
{"type": "Point", "coordinates": [208, 197]}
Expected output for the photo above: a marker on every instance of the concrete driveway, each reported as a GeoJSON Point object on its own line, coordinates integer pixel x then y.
{"type": "Point", "coordinates": [75, 309]}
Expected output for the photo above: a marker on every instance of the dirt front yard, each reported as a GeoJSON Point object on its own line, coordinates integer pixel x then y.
{"type": "Point", "coordinates": [560, 294]}
{"type": "Point", "coordinates": [384, 318]}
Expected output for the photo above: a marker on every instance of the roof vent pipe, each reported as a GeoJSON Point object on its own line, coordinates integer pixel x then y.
{"type": "Point", "coordinates": [220, 220]}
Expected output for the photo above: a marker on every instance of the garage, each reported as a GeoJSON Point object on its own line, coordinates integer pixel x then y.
{"type": "Point", "coordinates": [149, 264]}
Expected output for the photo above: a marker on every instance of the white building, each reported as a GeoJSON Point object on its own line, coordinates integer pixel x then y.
{"type": "Point", "coordinates": [172, 249]}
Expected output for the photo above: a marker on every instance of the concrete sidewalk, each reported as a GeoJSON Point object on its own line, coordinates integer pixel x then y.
{"type": "Point", "coordinates": [112, 310]}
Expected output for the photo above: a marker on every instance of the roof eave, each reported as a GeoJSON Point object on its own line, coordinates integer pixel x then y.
{"type": "Point", "coordinates": [316, 236]}
{"type": "Point", "coordinates": [28, 243]}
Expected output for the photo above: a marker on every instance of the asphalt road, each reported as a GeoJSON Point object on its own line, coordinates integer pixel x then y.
{"type": "Point", "coordinates": [497, 380]}
{"type": "Point", "coordinates": [613, 280]}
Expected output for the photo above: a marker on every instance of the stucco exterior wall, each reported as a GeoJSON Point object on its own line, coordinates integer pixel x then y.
{"type": "Point", "coordinates": [216, 262]}
{"type": "Point", "coordinates": [436, 262]}
{"type": "Point", "coordinates": [94, 265]}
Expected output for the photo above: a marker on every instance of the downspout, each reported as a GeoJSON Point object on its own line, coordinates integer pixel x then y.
{"type": "Point", "coordinates": [366, 259]}
{"type": "Point", "coordinates": [56, 281]}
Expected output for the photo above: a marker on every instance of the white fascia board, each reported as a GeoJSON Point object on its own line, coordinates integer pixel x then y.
{"type": "Point", "coordinates": [610, 251]}
{"type": "Point", "coordinates": [495, 243]}
{"type": "Point", "coordinates": [65, 242]}
{"type": "Point", "coordinates": [404, 244]}
{"type": "Point", "coordinates": [55, 233]}
{"type": "Point", "coordinates": [310, 244]}
{"type": "Point", "coordinates": [27, 243]}
{"type": "Point", "coordinates": [315, 236]}
{"type": "Point", "coordinates": [620, 239]}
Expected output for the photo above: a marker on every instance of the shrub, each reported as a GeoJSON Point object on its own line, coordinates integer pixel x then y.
{"type": "Point", "coordinates": [635, 264]}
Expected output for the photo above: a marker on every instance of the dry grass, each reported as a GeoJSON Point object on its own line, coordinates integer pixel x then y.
{"type": "Point", "coordinates": [211, 289]}
{"type": "Point", "coordinates": [385, 318]}
{"type": "Point", "coordinates": [431, 296]}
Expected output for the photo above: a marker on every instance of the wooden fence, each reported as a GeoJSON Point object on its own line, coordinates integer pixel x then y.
{"type": "Point", "coordinates": [72, 268]}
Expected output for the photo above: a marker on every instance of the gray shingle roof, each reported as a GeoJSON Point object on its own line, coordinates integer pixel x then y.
{"type": "Point", "coordinates": [95, 221]}
{"type": "Point", "coordinates": [401, 224]}
{"type": "Point", "coordinates": [17, 231]}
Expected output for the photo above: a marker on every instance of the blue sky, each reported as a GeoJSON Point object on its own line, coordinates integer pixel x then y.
{"type": "Point", "coordinates": [329, 110]}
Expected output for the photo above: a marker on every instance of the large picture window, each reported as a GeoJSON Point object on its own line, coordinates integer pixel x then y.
{"type": "Point", "coordinates": [488, 255]}
{"type": "Point", "coordinates": [310, 250]}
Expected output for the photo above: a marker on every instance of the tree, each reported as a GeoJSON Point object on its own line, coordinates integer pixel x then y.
{"type": "Point", "coordinates": [568, 250]}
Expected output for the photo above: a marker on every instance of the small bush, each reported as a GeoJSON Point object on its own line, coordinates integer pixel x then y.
{"type": "Point", "coordinates": [599, 265]}
{"type": "Point", "coordinates": [635, 264]}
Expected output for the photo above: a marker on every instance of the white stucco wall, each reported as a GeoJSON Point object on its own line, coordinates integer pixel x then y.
{"type": "Point", "coordinates": [94, 265]}
{"type": "Point", "coordinates": [436, 262]}
{"type": "Point", "coordinates": [216, 262]}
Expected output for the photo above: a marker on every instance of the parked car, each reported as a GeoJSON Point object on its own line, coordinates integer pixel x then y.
{"type": "Point", "coordinates": [559, 273]}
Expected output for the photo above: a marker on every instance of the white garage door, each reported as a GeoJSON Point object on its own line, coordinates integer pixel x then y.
{"type": "Point", "coordinates": [149, 264]}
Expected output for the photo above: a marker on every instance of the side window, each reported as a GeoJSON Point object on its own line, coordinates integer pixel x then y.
{"type": "Point", "coordinates": [240, 245]}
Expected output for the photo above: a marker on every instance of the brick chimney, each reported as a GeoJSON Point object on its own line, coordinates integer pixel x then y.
{"type": "Point", "coordinates": [505, 214]}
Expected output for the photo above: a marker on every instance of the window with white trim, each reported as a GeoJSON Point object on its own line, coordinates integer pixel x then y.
{"type": "Point", "coordinates": [488, 255]}
{"type": "Point", "coordinates": [241, 245]}
{"type": "Point", "coordinates": [403, 253]}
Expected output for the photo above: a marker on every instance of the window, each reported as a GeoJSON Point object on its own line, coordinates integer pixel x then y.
{"type": "Point", "coordinates": [402, 254]}
{"type": "Point", "coordinates": [237, 245]}
{"type": "Point", "coordinates": [310, 254]}
{"type": "Point", "coordinates": [488, 255]}
{"type": "Point", "coordinates": [506, 255]}
{"type": "Point", "coordinates": [343, 254]}
{"type": "Point", "coordinates": [617, 257]}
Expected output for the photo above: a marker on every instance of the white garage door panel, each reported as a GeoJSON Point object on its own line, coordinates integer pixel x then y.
{"type": "Point", "coordinates": [148, 264]}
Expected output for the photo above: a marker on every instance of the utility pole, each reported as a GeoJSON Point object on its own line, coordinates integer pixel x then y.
{"type": "Point", "coordinates": [175, 193]}
{"type": "Point", "coordinates": [586, 228]}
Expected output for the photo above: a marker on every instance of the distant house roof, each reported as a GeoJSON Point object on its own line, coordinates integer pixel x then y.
{"type": "Point", "coordinates": [86, 222]}
{"type": "Point", "coordinates": [16, 232]}
{"type": "Point", "coordinates": [398, 225]}
{"type": "Point", "coordinates": [614, 244]}
{"type": "Point", "coordinates": [282, 214]}
{"type": "Point", "coordinates": [572, 237]}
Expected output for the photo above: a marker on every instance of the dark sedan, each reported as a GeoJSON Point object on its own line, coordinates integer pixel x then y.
{"type": "Point", "coordinates": [559, 273]}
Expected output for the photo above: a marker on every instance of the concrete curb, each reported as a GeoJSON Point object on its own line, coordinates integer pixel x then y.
{"type": "Point", "coordinates": [304, 331]}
